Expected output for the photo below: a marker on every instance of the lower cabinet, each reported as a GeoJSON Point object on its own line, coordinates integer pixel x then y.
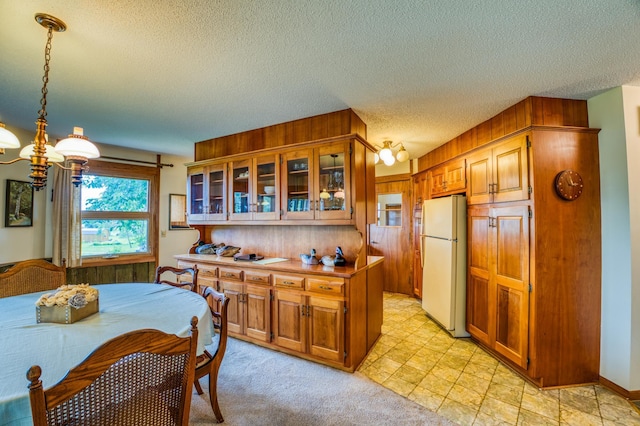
{"type": "Point", "coordinates": [309, 324]}
{"type": "Point", "coordinates": [333, 318]}
{"type": "Point", "coordinates": [249, 309]}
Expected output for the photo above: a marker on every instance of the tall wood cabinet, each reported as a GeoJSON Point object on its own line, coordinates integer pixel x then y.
{"type": "Point", "coordinates": [534, 258]}
{"type": "Point", "coordinates": [533, 285]}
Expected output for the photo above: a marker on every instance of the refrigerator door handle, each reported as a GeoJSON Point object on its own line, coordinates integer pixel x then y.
{"type": "Point", "coordinates": [422, 237]}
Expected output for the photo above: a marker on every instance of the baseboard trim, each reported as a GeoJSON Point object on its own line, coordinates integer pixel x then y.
{"type": "Point", "coordinates": [633, 395]}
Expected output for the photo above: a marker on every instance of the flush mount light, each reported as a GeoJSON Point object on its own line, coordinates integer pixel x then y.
{"type": "Point", "coordinates": [387, 155]}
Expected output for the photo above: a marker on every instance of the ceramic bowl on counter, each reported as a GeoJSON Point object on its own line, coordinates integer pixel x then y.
{"type": "Point", "coordinates": [269, 189]}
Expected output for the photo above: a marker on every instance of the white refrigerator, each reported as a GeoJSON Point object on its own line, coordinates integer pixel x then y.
{"type": "Point", "coordinates": [443, 245]}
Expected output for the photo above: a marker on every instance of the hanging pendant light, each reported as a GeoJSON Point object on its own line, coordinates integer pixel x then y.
{"type": "Point", "coordinates": [40, 154]}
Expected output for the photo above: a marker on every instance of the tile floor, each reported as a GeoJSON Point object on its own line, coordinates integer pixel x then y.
{"type": "Point", "coordinates": [460, 381]}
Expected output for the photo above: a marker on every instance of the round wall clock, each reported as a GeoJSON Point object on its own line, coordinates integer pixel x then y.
{"type": "Point", "coordinates": [569, 184]}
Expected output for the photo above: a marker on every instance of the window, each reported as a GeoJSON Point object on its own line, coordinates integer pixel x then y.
{"type": "Point", "coordinates": [389, 209]}
{"type": "Point", "coordinates": [119, 220]}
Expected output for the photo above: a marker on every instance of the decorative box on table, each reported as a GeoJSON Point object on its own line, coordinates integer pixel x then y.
{"type": "Point", "coordinates": [70, 303]}
{"type": "Point", "coordinates": [65, 314]}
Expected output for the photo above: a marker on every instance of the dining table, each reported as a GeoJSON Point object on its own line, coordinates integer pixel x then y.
{"type": "Point", "coordinates": [57, 348]}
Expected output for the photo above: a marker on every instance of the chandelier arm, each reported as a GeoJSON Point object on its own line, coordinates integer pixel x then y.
{"type": "Point", "coordinates": [15, 160]}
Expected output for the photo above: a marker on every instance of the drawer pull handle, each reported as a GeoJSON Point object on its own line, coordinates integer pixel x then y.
{"type": "Point", "coordinates": [229, 275]}
{"type": "Point", "coordinates": [288, 282]}
{"type": "Point", "coordinates": [256, 279]}
{"type": "Point", "coordinates": [324, 287]}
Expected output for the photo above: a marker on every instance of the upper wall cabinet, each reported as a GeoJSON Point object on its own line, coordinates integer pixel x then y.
{"type": "Point", "coordinates": [500, 173]}
{"type": "Point", "coordinates": [206, 192]}
{"type": "Point", "coordinates": [448, 178]}
{"type": "Point", "coordinates": [252, 188]}
{"type": "Point", "coordinates": [316, 183]}
{"type": "Point", "coordinates": [310, 184]}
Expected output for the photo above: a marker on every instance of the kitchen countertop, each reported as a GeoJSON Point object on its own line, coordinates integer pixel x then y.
{"type": "Point", "coordinates": [289, 265]}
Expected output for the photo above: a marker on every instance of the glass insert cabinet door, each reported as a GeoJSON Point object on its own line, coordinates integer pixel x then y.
{"type": "Point", "coordinates": [240, 190]}
{"type": "Point", "coordinates": [206, 193]}
{"type": "Point", "coordinates": [333, 182]}
{"type": "Point", "coordinates": [298, 202]}
{"type": "Point", "coordinates": [266, 201]}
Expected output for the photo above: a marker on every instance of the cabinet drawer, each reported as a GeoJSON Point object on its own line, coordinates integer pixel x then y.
{"type": "Point", "coordinates": [289, 281]}
{"type": "Point", "coordinates": [230, 274]}
{"type": "Point", "coordinates": [257, 277]}
{"type": "Point", "coordinates": [326, 285]}
{"type": "Point", "coordinates": [207, 272]}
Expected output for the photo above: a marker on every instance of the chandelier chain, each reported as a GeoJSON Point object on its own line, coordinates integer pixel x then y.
{"type": "Point", "coordinates": [45, 79]}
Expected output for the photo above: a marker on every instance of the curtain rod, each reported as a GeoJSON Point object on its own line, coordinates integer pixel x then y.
{"type": "Point", "coordinates": [158, 162]}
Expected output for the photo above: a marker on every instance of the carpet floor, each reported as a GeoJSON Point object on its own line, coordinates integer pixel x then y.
{"type": "Point", "coordinates": [258, 386]}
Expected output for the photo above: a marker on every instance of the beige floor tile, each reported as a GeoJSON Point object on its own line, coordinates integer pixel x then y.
{"type": "Point", "coordinates": [499, 410]}
{"type": "Point", "coordinates": [509, 394]}
{"type": "Point", "coordinates": [457, 412]}
{"type": "Point", "coordinates": [471, 381]}
{"type": "Point", "coordinates": [466, 396]}
{"type": "Point", "coordinates": [581, 398]}
{"type": "Point", "coordinates": [409, 374]}
{"type": "Point", "coordinates": [456, 378]}
{"type": "Point", "coordinates": [533, 418]}
{"type": "Point", "coordinates": [436, 384]}
{"type": "Point", "coordinates": [573, 417]}
{"type": "Point", "coordinates": [426, 398]}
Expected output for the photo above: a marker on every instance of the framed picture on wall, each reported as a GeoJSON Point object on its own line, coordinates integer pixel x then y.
{"type": "Point", "coordinates": [18, 208]}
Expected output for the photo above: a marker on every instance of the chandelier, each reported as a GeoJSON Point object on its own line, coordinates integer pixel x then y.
{"type": "Point", "coordinates": [387, 155]}
{"type": "Point", "coordinates": [76, 149]}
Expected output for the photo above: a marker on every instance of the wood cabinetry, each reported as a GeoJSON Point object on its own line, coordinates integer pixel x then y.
{"type": "Point", "coordinates": [309, 184]}
{"type": "Point", "coordinates": [448, 178]}
{"type": "Point", "coordinates": [249, 305]}
{"type": "Point", "coordinates": [206, 193]}
{"type": "Point", "coordinates": [534, 259]}
{"type": "Point", "coordinates": [500, 173]}
{"type": "Point", "coordinates": [316, 183]}
{"type": "Point", "coordinates": [498, 282]}
{"type": "Point", "coordinates": [305, 310]}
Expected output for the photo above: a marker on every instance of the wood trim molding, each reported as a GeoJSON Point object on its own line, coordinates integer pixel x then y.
{"type": "Point", "coordinates": [633, 395]}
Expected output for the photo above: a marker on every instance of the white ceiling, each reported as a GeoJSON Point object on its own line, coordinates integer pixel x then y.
{"type": "Point", "coordinates": [160, 75]}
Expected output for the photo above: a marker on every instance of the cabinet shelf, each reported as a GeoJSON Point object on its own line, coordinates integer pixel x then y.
{"type": "Point", "coordinates": [215, 181]}
{"type": "Point", "coordinates": [267, 175]}
{"type": "Point", "coordinates": [298, 192]}
{"type": "Point", "coordinates": [297, 172]}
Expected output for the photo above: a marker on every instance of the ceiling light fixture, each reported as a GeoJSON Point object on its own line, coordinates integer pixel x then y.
{"type": "Point", "coordinates": [76, 148]}
{"type": "Point", "coordinates": [387, 155]}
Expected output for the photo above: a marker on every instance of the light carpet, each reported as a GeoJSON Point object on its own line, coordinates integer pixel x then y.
{"type": "Point", "coordinates": [258, 386]}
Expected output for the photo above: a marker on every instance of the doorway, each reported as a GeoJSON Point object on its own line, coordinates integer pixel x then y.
{"type": "Point", "coordinates": [391, 235]}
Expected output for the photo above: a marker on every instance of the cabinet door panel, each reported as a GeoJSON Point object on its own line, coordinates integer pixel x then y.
{"type": "Point", "coordinates": [512, 282]}
{"type": "Point", "coordinates": [289, 322]}
{"type": "Point", "coordinates": [333, 175]}
{"type": "Point", "coordinates": [510, 171]}
{"type": "Point", "coordinates": [258, 310]}
{"type": "Point", "coordinates": [478, 288]}
{"type": "Point", "coordinates": [479, 178]}
{"type": "Point", "coordinates": [455, 178]}
{"type": "Point", "coordinates": [297, 197]}
{"type": "Point", "coordinates": [326, 325]}
{"type": "Point", "coordinates": [437, 181]}
{"type": "Point", "coordinates": [235, 310]}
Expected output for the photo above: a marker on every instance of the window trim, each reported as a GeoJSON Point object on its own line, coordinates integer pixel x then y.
{"type": "Point", "coordinates": [122, 170]}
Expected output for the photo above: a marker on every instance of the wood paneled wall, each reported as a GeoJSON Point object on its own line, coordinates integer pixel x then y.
{"type": "Point", "coordinates": [338, 123]}
{"type": "Point", "coordinates": [532, 111]}
{"type": "Point", "coordinates": [129, 273]}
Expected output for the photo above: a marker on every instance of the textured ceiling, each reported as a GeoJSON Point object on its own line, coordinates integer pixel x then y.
{"type": "Point", "coordinates": [160, 75]}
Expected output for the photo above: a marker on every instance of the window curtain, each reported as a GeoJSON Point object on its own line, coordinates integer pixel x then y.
{"type": "Point", "coordinates": [67, 222]}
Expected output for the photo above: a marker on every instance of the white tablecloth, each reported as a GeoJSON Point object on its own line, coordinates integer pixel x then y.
{"type": "Point", "coordinates": [58, 347]}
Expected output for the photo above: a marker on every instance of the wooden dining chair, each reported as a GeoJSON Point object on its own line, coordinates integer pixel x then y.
{"type": "Point", "coordinates": [209, 364]}
{"type": "Point", "coordinates": [180, 277]}
{"type": "Point", "coordinates": [30, 276]}
{"type": "Point", "coordinates": [142, 377]}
